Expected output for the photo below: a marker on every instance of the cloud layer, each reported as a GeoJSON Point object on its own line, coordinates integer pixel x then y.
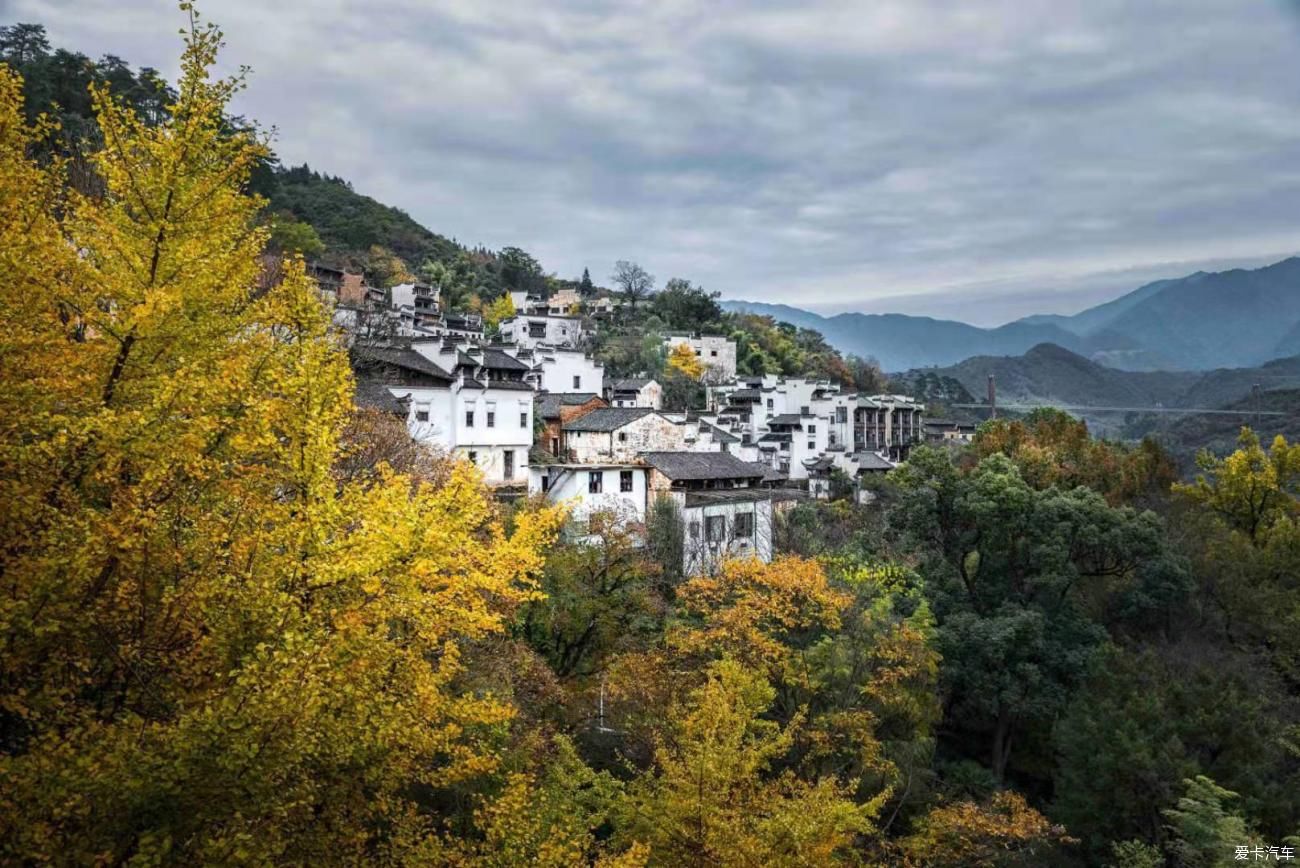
{"type": "Point", "coordinates": [979, 161]}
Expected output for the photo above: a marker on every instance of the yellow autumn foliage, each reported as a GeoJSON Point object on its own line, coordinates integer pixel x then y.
{"type": "Point", "coordinates": [213, 650]}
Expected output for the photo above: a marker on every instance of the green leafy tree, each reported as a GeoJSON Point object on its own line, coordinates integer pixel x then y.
{"type": "Point", "coordinates": [1019, 578]}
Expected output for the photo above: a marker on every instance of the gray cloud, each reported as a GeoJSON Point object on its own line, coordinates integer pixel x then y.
{"type": "Point", "coordinates": [981, 161]}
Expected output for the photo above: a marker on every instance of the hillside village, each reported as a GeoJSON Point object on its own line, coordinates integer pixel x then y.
{"type": "Point", "coordinates": [524, 401]}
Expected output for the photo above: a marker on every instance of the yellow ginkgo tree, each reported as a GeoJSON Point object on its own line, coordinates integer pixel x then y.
{"type": "Point", "coordinates": [211, 649]}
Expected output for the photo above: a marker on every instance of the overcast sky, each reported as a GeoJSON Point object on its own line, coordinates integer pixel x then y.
{"type": "Point", "coordinates": [976, 161]}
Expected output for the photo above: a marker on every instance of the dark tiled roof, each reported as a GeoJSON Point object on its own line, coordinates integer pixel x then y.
{"type": "Point", "coordinates": [549, 404]}
{"type": "Point", "coordinates": [719, 434]}
{"type": "Point", "coordinates": [776, 437]}
{"type": "Point", "coordinates": [745, 395]}
{"type": "Point", "coordinates": [512, 385]}
{"type": "Point", "coordinates": [471, 383]}
{"type": "Point", "coordinates": [792, 419]}
{"type": "Point", "coordinates": [374, 395]}
{"type": "Point", "coordinates": [632, 384]}
{"type": "Point", "coordinates": [400, 357]}
{"type": "Point", "coordinates": [608, 418]}
{"type": "Point", "coordinates": [702, 465]}
{"type": "Point", "coordinates": [872, 461]}
{"type": "Point", "coordinates": [823, 462]}
{"type": "Point", "coordinates": [502, 361]}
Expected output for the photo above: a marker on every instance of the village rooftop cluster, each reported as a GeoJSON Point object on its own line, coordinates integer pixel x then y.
{"type": "Point", "coordinates": [536, 414]}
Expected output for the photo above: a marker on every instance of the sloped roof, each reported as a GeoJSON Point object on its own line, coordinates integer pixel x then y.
{"type": "Point", "coordinates": [371, 394]}
{"type": "Point", "coordinates": [702, 465]}
{"type": "Point", "coordinates": [872, 461]}
{"type": "Point", "coordinates": [719, 434]}
{"type": "Point", "coordinates": [792, 419]}
{"type": "Point", "coordinates": [608, 418]}
{"type": "Point", "coordinates": [633, 384]}
{"type": "Point", "coordinates": [549, 404]}
{"type": "Point", "coordinates": [400, 357]}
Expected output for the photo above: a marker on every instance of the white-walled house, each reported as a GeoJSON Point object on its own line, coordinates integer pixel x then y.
{"type": "Point", "coordinates": [473, 404]}
{"type": "Point", "coordinates": [636, 392]}
{"type": "Point", "coordinates": [792, 441]}
{"type": "Point", "coordinates": [620, 434]}
{"type": "Point", "coordinates": [725, 508]}
{"type": "Point", "coordinates": [715, 352]}
{"type": "Point", "coordinates": [529, 330]}
{"type": "Point", "coordinates": [560, 369]}
{"type": "Point", "coordinates": [619, 488]}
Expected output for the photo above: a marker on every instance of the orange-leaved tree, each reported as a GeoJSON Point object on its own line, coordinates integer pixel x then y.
{"type": "Point", "coordinates": [213, 647]}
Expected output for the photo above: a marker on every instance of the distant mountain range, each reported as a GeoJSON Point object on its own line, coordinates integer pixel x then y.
{"type": "Point", "coordinates": [1049, 374]}
{"type": "Point", "coordinates": [1237, 318]}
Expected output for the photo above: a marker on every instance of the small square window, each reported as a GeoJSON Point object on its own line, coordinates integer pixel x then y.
{"type": "Point", "coordinates": [422, 415]}
{"type": "Point", "coordinates": [769, 403]}
{"type": "Point", "coordinates": [745, 525]}
{"type": "Point", "coordinates": [625, 480]}
{"type": "Point", "coordinates": [713, 353]}
{"type": "Point", "coordinates": [473, 457]}
{"type": "Point", "coordinates": [577, 381]}
{"type": "Point", "coordinates": [546, 484]}
{"type": "Point", "coordinates": [812, 444]}
{"type": "Point", "coordinates": [469, 418]}
{"type": "Point", "coordinates": [595, 480]}
{"type": "Point", "coordinates": [812, 429]}
{"type": "Point", "coordinates": [622, 437]}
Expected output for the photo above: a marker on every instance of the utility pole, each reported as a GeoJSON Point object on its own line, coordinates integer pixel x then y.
{"type": "Point", "coordinates": [993, 398]}
{"type": "Point", "coordinates": [1257, 392]}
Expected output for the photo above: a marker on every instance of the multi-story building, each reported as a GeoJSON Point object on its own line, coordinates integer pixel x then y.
{"type": "Point", "coordinates": [888, 425]}
{"type": "Point", "coordinates": [560, 369]}
{"type": "Point", "coordinates": [715, 352]}
{"type": "Point", "coordinates": [726, 510]}
{"type": "Point", "coordinates": [422, 300]}
{"type": "Point", "coordinates": [529, 330]}
{"type": "Point", "coordinates": [469, 402]}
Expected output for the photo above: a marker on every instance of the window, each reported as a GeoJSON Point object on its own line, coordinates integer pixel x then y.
{"type": "Point", "coordinates": [509, 470]}
{"type": "Point", "coordinates": [769, 403]}
{"type": "Point", "coordinates": [812, 444]}
{"type": "Point", "coordinates": [473, 457]}
{"type": "Point", "coordinates": [695, 530]}
{"type": "Point", "coordinates": [469, 418]}
{"type": "Point", "coordinates": [785, 447]}
{"type": "Point", "coordinates": [555, 446]}
{"type": "Point", "coordinates": [803, 411]}
{"type": "Point", "coordinates": [422, 414]}
{"type": "Point", "coordinates": [622, 437]}
{"type": "Point", "coordinates": [812, 429]}
{"type": "Point", "coordinates": [577, 382]}
{"type": "Point", "coordinates": [697, 352]}
{"type": "Point", "coordinates": [745, 525]}
{"type": "Point", "coordinates": [595, 478]}
{"type": "Point", "coordinates": [523, 419]}
{"type": "Point", "coordinates": [715, 528]}
{"type": "Point", "coordinates": [546, 484]}
{"type": "Point", "coordinates": [713, 353]}
{"type": "Point", "coordinates": [491, 419]}
{"type": "Point", "coordinates": [625, 480]}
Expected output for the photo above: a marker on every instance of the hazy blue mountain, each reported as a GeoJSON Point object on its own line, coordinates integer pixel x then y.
{"type": "Point", "coordinates": [1236, 318]}
{"type": "Point", "coordinates": [900, 342]}
{"type": "Point", "coordinates": [1206, 320]}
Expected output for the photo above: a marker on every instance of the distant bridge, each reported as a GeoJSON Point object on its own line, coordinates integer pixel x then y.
{"type": "Point", "coordinates": [1186, 411]}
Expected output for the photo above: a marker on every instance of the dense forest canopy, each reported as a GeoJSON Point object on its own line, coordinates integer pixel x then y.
{"type": "Point", "coordinates": [246, 622]}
